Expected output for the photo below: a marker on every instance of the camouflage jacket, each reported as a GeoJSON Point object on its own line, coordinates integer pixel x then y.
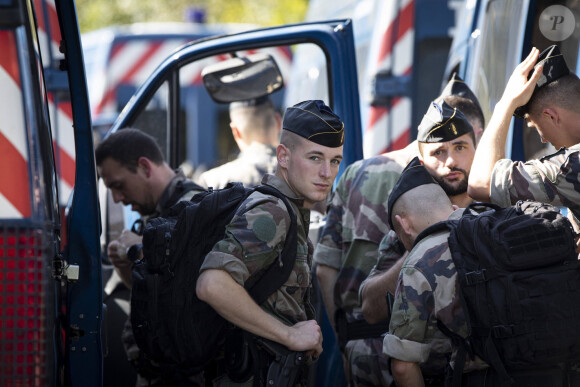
{"type": "Point", "coordinates": [254, 239]}
{"type": "Point", "coordinates": [553, 179]}
{"type": "Point", "coordinates": [248, 168]}
{"type": "Point", "coordinates": [356, 223]}
{"type": "Point", "coordinates": [427, 291]}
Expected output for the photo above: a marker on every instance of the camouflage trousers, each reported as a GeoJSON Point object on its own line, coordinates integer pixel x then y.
{"type": "Point", "coordinates": [366, 364]}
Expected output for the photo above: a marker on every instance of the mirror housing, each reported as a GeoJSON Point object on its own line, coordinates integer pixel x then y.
{"type": "Point", "coordinates": [242, 78]}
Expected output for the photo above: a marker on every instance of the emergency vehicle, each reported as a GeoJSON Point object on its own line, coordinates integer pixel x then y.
{"type": "Point", "coordinates": [401, 51]}
{"type": "Point", "coordinates": [50, 288]}
{"type": "Point", "coordinates": [493, 37]}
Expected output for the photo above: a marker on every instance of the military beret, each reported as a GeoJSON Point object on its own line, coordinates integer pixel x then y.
{"type": "Point", "coordinates": [442, 123]}
{"type": "Point", "coordinates": [412, 176]}
{"type": "Point", "coordinates": [316, 122]}
{"type": "Point", "coordinates": [456, 86]}
{"type": "Point", "coordinates": [251, 102]}
{"type": "Point", "coordinates": [554, 68]}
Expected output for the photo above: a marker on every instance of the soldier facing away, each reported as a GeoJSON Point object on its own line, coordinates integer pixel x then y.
{"type": "Point", "coordinates": [255, 127]}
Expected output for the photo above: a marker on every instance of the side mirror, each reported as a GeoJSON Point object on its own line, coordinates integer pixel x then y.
{"type": "Point", "coordinates": [242, 78]}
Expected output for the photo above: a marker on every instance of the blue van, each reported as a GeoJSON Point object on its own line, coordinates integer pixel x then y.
{"type": "Point", "coordinates": [52, 317]}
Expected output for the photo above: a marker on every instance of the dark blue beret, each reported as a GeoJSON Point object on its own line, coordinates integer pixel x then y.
{"type": "Point", "coordinates": [412, 176]}
{"type": "Point", "coordinates": [442, 123]}
{"type": "Point", "coordinates": [457, 86]}
{"type": "Point", "coordinates": [316, 122]}
{"type": "Point", "coordinates": [554, 68]}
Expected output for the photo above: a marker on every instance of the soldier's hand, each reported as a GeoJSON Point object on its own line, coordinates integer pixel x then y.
{"type": "Point", "coordinates": [306, 336]}
{"type": "Point", "coordinates": [129, 238]}
{"type": "Point", "coordinates": [117, 249]}
{"type": "Point", "coordinates": [519, 88]}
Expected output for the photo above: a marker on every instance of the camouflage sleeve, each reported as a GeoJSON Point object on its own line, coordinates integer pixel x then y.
{"type": "Point", "coordinates": [329, 249]}
{"type": "Point", "coordinates": [390, 250]}
{"type": "Point", "coordinates": [252, 238]}
{"type": "Point", "coordinates": [553, 179]}
{"type": "Point", "coordinates": [406, 338]}
{"type": "Point", "coordinates": [426, 292]}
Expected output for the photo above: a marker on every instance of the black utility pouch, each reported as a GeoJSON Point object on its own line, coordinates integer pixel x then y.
{"type": "Point", "coordinates": [238, 359]}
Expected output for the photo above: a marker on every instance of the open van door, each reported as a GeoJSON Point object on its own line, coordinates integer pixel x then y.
{"type": "Point", "coordinates": [163, 106]}
{"type": "Point", "coordinates": [50, 289]}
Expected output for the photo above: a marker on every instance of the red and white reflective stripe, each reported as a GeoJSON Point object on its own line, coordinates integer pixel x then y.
{"type": "Point", "coordinates": [14, 180]}
{"type": "Point", "coordinates": [389, 129]}
{"type": "Point", "coordinates": [61, 115]}
{"type": "Point", "coordinates": [48, 30]}
{"type": "Point", "coordinates": [131, 62]}
{"type": "Point", "coordinates": [64, 146]}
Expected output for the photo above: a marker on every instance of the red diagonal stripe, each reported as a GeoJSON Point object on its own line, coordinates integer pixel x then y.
{"type": "Point", "coordinates": [14, 183]}
{"type": "Point", "coordinates": [117, 48]}
{"type": "Point", "coordinates": [404, 21]}
{"type": "Point", "coordinates": [402, 141]}
{"type": "Point", "coordinates": [64, 164]}
{"type": "Point", "coordinates": [8, 59]}
{"type": "Point", "coordinates": [139, 63]}
{"type": "Point", "coordinates": [52, 20]}
{"type": "Point", "coordinates": [64, 106]}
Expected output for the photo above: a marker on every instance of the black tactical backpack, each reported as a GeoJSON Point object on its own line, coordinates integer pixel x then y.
{"type": "Point", "coordinates": [172, 327]}
{"type": "Point", "coordinates": [519, 280]}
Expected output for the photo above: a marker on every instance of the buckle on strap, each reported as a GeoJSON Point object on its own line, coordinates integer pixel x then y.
{"type": "Point", "coordinates": [503, 331]}
{"type": "Point", "coordinates": [475, 277]}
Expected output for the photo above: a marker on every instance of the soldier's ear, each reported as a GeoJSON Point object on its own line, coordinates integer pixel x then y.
{"type": "Point", "coordinates": [552, 115]}
{"type": "Point", "coordinates": [283, 155]}
{"type": "Point", "coordinates": [145, 165]}
{"type": "Point", "coordinates": [405, 224]}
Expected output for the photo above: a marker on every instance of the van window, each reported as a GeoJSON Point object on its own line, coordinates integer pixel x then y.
{"type": "Point", "coordinates": [503, 19]}
{"type": "Point", "coordinates": [204, 133]}
{"type": "Point", "coordinates": [154, 119]}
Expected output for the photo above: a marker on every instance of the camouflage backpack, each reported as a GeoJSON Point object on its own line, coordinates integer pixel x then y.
{"type": "Point", "coordinates": [519, 284]}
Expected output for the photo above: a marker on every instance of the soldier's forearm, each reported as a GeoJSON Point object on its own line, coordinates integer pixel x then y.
{"type": "Point", "coordinates": [232, 302]}
{"type": "Point", "coordinates": [327, 279]}
{"type": "Point", "coordinates": [373, 295]}
{"type": "Point", "coordinates": [491, 148]}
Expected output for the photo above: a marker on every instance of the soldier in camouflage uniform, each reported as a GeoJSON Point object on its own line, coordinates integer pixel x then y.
{"type": "Point", "coordinates": [446, 143]}
{"type": "Point", "coordinates": [427, 288]}
{"type": "Point", "coordinates": [549, 101]}
{"type": "Point", "coordinates": [255, 126]}
{"type": "Point", "coordinates": [356, 222]}
{"type": "Point", "coordinates": [308, 156]}
{"type": "Point", "coordinates": [131, 165]}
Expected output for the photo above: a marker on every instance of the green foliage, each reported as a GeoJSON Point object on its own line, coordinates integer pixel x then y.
{"type": "Point", "coordinates": [95, 14]}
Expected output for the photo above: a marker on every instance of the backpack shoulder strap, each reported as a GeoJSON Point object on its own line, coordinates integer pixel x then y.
{"type": "Point", "coordinates": [277, 273]}
{"type": "Point", "coordinates": [183, 187]}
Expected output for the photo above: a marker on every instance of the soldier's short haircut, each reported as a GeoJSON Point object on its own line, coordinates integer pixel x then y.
{"type": "Point", "coordinates": [425, 201]}
{"type": "Point", "coordinates": [290, 140]}
{"type": "Point", "coordinates": [564, 92]}
{"type": "Point", "coordinates": [126, 146]}
{"type": "Point", "coordinates": [255, 121]}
